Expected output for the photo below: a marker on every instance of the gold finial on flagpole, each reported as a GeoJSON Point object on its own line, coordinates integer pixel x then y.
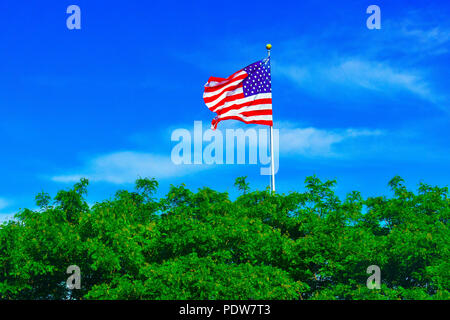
{"type": "Point", "coordinates": [268, 46]}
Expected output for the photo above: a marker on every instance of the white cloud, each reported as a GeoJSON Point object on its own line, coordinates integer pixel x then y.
{"type": "Point", "coordinates": [3, 203]}
{"type": "Point", "coordinates": [355, 73]}
{"type": "Point", "coordinates": [419, 37]}
{"type": "Point", "coordinates": [127, 166]}
{"type": "Point", "coordinates": [378, 76]}
{"type": "Point", "coordinates": [313, 142]}
{"type": "Point", "coordinates": [434, 36]}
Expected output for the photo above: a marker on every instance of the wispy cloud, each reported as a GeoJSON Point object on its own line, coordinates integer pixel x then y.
{"type": "Point", "coordinates": [378, 76]}
{"type": "Point", "coordinates": [314, 142]}
{"type": "Point", "coordinates": [126, 167]}
{"type": "Point", "coordinates": [398, 59]}
{"type": "Point", "coordinates": [4, 203]}
{"type": "Point", "coordinates": [419, 37]}
{"type": "Point", "coordinates": [355, 145]}
{"type": "Point", "coordinates": [355, 73]}
{"type": "Point", "coordinates": [434, 36]}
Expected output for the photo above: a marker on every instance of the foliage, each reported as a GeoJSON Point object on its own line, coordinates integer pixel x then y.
{"type": "Point", "coordinates": [242, 184]}
{"type": "Point", "coordinates": [202, 245]}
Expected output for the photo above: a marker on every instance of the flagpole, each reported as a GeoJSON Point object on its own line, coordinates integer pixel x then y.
{"type": "Point", "coordinates": [268, 47]}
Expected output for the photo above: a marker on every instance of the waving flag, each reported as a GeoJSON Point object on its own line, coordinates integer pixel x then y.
{"type": "Point", "coordinates": [246, 95]}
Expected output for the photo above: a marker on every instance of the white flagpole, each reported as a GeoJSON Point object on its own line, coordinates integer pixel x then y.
{"type": "Point", "coordinates": [271, 154]}
{"type": "Point", "coordinates": [268, 47]}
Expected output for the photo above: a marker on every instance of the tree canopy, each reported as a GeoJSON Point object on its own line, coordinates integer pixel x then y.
{"type": "Point", "coordinates": [203, 245]}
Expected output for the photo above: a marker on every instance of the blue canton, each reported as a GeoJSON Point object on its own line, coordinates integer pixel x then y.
{"type": "Point", "coordinates": [258, 80]}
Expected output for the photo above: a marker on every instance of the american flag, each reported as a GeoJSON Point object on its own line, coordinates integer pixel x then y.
{"type": "Point", "coordinates": [246, 95]}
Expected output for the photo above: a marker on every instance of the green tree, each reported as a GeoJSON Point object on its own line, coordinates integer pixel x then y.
{"type": "Point", "coordinates": [242, 185]}
{"type": "Point", "coordinates": [203, 245]}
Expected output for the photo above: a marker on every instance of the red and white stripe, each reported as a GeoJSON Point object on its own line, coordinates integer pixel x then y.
{"type": "Point", "coordinates": [225, 96]}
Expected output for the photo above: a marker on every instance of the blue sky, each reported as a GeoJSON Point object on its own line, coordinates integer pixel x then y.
{"type": "Point", "coordinates": [352, 104]}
